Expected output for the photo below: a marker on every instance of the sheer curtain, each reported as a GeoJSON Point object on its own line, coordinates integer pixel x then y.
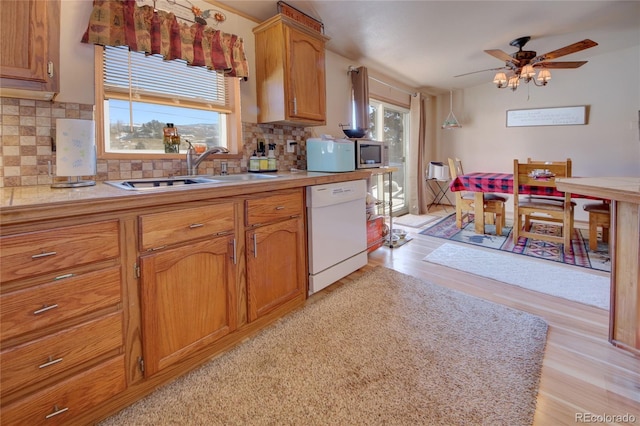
{"type": "Point", "coordinates": [417, 165]}
{"type": "Point", "coordinates": [143, 29]}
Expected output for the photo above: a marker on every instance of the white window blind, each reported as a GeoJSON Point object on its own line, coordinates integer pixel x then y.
{"type": "Point", "coordinates": [140, 77]}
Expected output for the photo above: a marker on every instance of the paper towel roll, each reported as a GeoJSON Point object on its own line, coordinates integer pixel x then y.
{"type": "Point", "coordinates": [75, 147]}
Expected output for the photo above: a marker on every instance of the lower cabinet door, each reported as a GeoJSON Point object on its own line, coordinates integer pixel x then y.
{"type": "Point", "coordinates": [188, 300]}
{"type": "Point", "coordinates": [276, 265]}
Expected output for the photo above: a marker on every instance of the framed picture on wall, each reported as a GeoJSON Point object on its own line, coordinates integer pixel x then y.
{"type": "Point", "coordinates": [556, 116]}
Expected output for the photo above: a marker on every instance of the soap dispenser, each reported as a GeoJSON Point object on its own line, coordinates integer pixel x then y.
{"type": "Point", "coordinates": [254, 162]}
{"type": "Point", "coordinates": [271, 158]}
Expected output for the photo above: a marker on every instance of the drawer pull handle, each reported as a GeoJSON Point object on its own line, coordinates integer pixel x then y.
{"type": "Point", "coordinates": [43, 254]}
{"type": "Point", "coordinates": [62, 277]}
{"type": "Point", "coordinates": [45, 308]}
{"type": "Point", "coordinates": [235, 259]}
{"type": "Point", "coordinates": [196, 225]}
{"type": "Point", "coordinates": [280, 208]}
{"type": "Point", "coordinates": [50, 362]}
{"type": "Point", "coordinates": [56, 411]}
{"type": "Point", "coordinates": [255, 245]}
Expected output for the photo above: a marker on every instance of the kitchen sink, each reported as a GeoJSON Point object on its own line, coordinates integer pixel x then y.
{"type": "Point", "coordinates": [153, 183]}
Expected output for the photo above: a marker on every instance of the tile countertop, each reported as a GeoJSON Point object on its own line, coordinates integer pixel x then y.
{"type": "Point", "coordinates": [613, 188]}
{"type": "Point", "coordinates": [29, 203]}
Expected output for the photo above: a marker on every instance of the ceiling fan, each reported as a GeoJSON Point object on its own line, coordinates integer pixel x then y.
{"type": "Point", "coordinates": [521, 64]}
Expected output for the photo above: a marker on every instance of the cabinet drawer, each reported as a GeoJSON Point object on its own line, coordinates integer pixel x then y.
{"type": "Point", "coordinates": [47, 304]}
{"type": "Point", "coordinates": [161, 229]}
{"type": "Point", "coordinates": [274, 207]}
{"type": "Point", "coordinates": [61, 403]}
{"type": "Point", "coordinates": [36, 253]}
{"type": "Point", "coordinates": [34, 361]}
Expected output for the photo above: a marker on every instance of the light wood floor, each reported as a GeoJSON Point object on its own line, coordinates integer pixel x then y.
{"type": "Point", "coordinates": [582, 372]}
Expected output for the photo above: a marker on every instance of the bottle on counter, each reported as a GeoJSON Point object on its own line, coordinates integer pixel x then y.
{"type": "Point", "coordinates": [171, 139]}
{"type": "Point", "coordinates": [264, 163]}
{"type": "Point", "coordinates": [254, 162]}
{"type": "Point", "coordinates": [271, 158]}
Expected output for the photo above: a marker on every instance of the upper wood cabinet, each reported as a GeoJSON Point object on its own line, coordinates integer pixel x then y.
{"type": "Point", "coordinates": [29, 48]}
{"type": "Point", "coordinates": [290, 73]}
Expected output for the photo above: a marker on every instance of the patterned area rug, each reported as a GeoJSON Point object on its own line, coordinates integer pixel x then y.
{"type": "Point", "coordinates": [581, 256]}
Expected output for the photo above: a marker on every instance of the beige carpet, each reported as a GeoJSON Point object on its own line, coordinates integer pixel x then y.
{"type": "Point", "coordinates": [385, 349]}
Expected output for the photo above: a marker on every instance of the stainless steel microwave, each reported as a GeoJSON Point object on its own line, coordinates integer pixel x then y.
{"type": "Point", "coordinates": [371, 154]}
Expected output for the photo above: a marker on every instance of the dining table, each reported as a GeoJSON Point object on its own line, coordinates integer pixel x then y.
{"type": "Point", "coordinates": [482, 182]}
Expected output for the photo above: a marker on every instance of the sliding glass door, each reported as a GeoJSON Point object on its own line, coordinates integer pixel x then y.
{"type": "Point", "coordinates": [390, 123]}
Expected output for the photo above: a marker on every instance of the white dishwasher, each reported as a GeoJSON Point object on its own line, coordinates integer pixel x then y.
{"type": "Point", "coordinates": [337, 231]}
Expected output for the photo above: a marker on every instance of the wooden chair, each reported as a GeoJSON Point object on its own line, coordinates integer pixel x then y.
{"type": "Point", "coordinates": [494, 211]}
{"type": "Point", "coordinates": [599, 217]}
{"type": "Point", "coordinates": [545, 209]}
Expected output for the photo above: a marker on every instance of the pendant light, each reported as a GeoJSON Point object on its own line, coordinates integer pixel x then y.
{"type": "Point", "coordinates": [451, 122]}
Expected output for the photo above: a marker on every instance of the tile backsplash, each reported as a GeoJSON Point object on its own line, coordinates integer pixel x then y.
{"type": "Point", "coordinates": [27, 128]}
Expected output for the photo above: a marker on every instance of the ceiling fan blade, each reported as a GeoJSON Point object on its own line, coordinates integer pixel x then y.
{"type": "Point", "coordinates": [559, 65]}
{"type": "Point", "coordinates": [475, 72]}
{"type": "Point", "coordinates": [502, 55]}
{"type": "Point", "coordinates": [572, 48]}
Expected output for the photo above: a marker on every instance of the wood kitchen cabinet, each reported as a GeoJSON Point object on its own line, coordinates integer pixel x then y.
{"type": "Point", "coordinates": [290, 73]}
{"type": "Point", "coordinates": [276, 254]}
{"type": "Point", "coordinates": [61, 321]}
{"type": "Point", "coordinates": [187, 281]}
{"type": "Point", "coordinates": [107, 296]}
{"type": "Point", "coordinates": [29, 48]}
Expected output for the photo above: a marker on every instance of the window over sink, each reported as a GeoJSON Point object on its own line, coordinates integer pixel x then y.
{"type": "Point", "coordinates": [142, 93]}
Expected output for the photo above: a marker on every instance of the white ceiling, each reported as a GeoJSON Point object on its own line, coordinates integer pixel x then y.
{"type": "Point", "coordinates": [425, 43]}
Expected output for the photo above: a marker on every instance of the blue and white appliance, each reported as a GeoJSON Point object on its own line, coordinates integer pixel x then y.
{"type": "Point", "coordinates": [330, 155]}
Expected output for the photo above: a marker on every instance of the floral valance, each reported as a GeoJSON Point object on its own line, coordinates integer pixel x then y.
{"type": "Point", "coordinates": [143, 29]}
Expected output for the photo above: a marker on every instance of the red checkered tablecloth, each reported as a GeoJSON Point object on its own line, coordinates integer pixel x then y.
{"type": "Point", "coordinates": [497, 182]}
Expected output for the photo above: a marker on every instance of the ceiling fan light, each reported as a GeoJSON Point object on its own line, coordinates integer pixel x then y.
{"type": "Point", "coordinates": [514, 82]}
{"type": "Point", "coordinates": [527, 72]}
{"type": "Point", "coordinates": [500, 79]}
{"type": "Point", "coordinates": [544, 76]}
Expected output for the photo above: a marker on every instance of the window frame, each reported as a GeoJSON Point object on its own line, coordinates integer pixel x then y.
{"type": "Point", "coordinates": [233, 122]}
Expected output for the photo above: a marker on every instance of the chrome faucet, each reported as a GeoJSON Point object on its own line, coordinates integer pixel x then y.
{"type": "Point", "coordinates": [193, 162]}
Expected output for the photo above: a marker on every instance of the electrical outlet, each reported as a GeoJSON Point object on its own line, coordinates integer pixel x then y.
{"type": "Point", "coordinates": [291, 145]}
